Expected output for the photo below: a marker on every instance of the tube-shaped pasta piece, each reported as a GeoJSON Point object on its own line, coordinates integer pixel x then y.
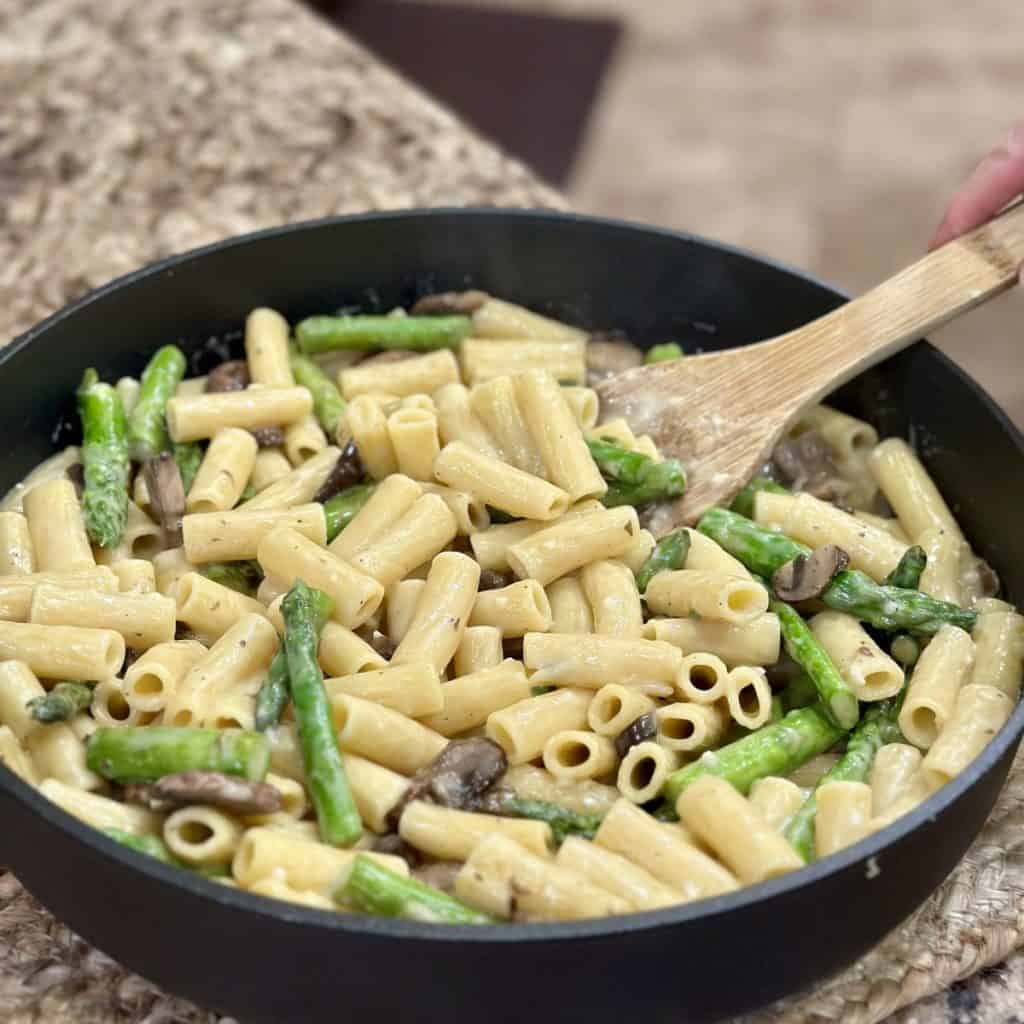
{"type": "Point", "coordinates": [275, 889]}
{"type": "Point", "coordinates": [210, 609]}
{"type": "Point", "coordinates": [702, 678]}
{"type": "Point", "coordinates": [134, 576]}
{"type": "Point", "coordinates": [579, 754]}
{"type": "Point", "coordinates": [664, 851]}
{"type": "Point", "coordinates": [304, 865]}
{"type": "Point", "coordinates": [224, 471]}
{"type": "Point", "coordinates": [711, 595]}
{"type": "Point", "coordinates": [529, 782]}
{"type": "Point", "coordinates": [100, 811]}
{"type": "Point", "coordinates": [304, 439]}
{"type": "Point", "coordinates": [17, 555]}
{"type": "Point", "coordinates": [287, 555]}
{"type": "Point", "coordinates": [189, 386]}
{"type": "Point", "coordinates": [613, 872]}
{"type": "Point", "coordinates": [457, 422]}
{"type": "Point", "coordinates": [270, 466]}
{"type": "Point", "coordinates": [109, 706]}
{"type": "Point", "coordinates": [16, 592]}
{"type": "Point", "coordinates": [424, 530]}
{"type": "Point", "coordinates": [848, 435]}
{"type": "Point", "coordinates": [142, 538]}
{"type": "Point", "coordinates": [910, 490]}
{"type": "Point", "coordinates": [645, 445]}
{"type": "Point", "coordinates": [721, 817]}
{"type": "Point", "coordinates": [618, 431]}
{"type": "Point", "coordinates": [15, 757]}
{"type": "Point", "coordinates": [497, 318]}
{"type": "Point", "coordinates": [151, 679]}
{"type": "Point", "coordinates": [890, 525]}
{"type": "Point", "coordinates": [410, 376]}
{"type": "Point", "coordinates": [410, 689]}
{"type": "Point", "coordinates": [610, 589]}
{"type": "Point", "coordinates": [471, 515]}
{"type": "Point", "coordinates": [644, 771]}
{"type": "Point", "coordinates": [470, 699]}
{"type": "Point", "coordinates": [944, 666]}
{"type": "Point", "coordinates": [570, 609]}
{"type": "Point", "coordinates": [401, 599]}
{"type": "Point", "coordinates": [979, 713]}
{"type": "Point", "coordinates": [522, 729]}
{"type": "Point", "coordinates": [390, 738]}
{"type": "Point", "coordinates": [142, 619]}
{"type": "Point", "coordinates": [498, 484]}
{"type": "Point", "coordinates": [194, 417]}
{"type": "Point", "coordinates": [368, 426]}
{"type": "Point", "coordinates": [300, 486]}
{"type": "Point", "coordinates": [479, 648]}
{"type": "Point", "coordinates": [687, 727]}
{"type": "Point", "coordinates": [749, 696]}
{"type": "Point", "coordinates": [583, 403]}
{"type": "Point", "coordinates": [385, 507]}
{"type": "Point", "coordinates": [483, 359]}
{"type": "Point", "coordinates": [641, 550]}
{"type": "Point", "coordinates": [843, 816]}
{"type": "Point", "coordinates": [614, 707]}
{"type": "Point", "coordinates": [999, 650]}
{"type": "Point", "coordinates": [945, 553]}
{"type": "Point", "coordinates": [496, 405]}
{"type": "Point", "coordinates": [772, 509]}
{"type": "Point", "coordinates": [294, 804]}
{"type": "Point", "coordinates": [266, 348]}
{"type": "Point", "coordinates": [517, 609]}
{"type": "Point", "coordinates": [242, 653]}
{"type": "Point", "coordinates": [58, 753]}
{"type": "Point", "coordinates": [895, 771]}
{"type": "Point", "coordinates": [557, 436]}
{"type": "Point", "coordinates": [169, 566]}
{"type": "Point", "coordinates": [490, 546]}
{"type": "Point", "coordinates": [236, 534]}
{"type": "Point", "coordinates": [566, 659]}
{"type": "Point", "coordinates": [503, 878]}
{"type": "Point", "coordinates": [202, 835]}
{"type": "Point", "coordinates": [442, 613]}
{"type": "Point", "coordinates": [705, 555]}
{"type": "Point", "coordinates": [375, 789]}
{"type": "Point", "coordinates": [565, 546]}
{"type": "Point", "coordinates": [63, 652]}
{"type": "Point", "coordinates": [56, 527]}
{"type": "Point", "coordinates": [757, 642]}
{"type": "Point", "coordinates": [867, 669]}
{"type": "Point", "coordinates": [450, 834]}
{"type": "Point", "coordinates": [413, 434]}
{"type": "Point", "coordinates": [342, 653]}
{"type": "Point", "coordinates": [18, 686]}
{"type": "Point", "coordinates": [776, 800]}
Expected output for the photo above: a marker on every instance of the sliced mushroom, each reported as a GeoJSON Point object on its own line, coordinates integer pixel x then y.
{"type": "Point", "coordinates": [268, 437]}
{"type": "Point", "coordinates": [348, 470]}
{"type": "Point", "coordinates": [240, 796]}
{"type": "Point", "coordinates": [393, 843]}
{"type": "Point", "coordinates": [640, 729]}
{"type": "Point", "coordinates": [449, 303]}
{"type": "Point", "coordinates": [458, 776]}
{"type": "Point", "coordinates": [182, 632]}
{"type": "Point", "coordinates": [167, 496]}
{"type": "Point", "coordinates": [440, 874]}
{"type": "Point", "coordinates": [491, 579]}
{"type": "Point", "coordinates": [807, 576]}
{"type": "Point", "coordinates": [232, 375]}
{"type": "Point", "coordinates": [807, 463]}
{"type": "Point", "coordinates": [981, 577]}
{"type": "Point", "coordinates": [608, 353]}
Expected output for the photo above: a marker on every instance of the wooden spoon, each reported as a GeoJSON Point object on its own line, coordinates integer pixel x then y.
{"type": "Point", "coordinates": [721, 414]}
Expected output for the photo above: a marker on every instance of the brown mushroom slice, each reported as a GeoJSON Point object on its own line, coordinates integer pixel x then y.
{"type": "Point", "coordinates": [491, 579]}
{"type": "Point", "coordinates": [232, 375]}
{"type": "Point", "coordinates": [166, 495]}
{"type": "Point", "coordinates": [347, 471]}
{"type": "Point", "coordinates": [239, 796]}
{"type": "Point", "coordinates": [643, 728]}
{"type": "Point", "coordinates": [807, 463]}
{"type": "Point", "coordinates": [449, 303]}
{"type": "Point", "coordinates": [393, 843]}
{"type": "Point", "coordinates": [807, 576]}
{"type": "Point", "coordinates": [268, 437]}
{"type": "Point", "coordinates": [609, 353]}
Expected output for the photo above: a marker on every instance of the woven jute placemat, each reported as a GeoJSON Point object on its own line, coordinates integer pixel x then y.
{"type": "Point", "coordinates": [131, 131]}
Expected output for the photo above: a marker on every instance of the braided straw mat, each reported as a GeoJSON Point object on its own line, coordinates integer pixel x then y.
{"type": "Point", "coordinates": [104, 167]}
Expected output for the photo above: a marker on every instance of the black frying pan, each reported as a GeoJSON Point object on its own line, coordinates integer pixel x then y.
{"type": "Point", "coordinates": [264, 960]}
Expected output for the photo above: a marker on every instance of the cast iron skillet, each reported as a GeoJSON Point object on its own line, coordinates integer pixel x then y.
{"type": "Point", "coordinates": [263, 960]}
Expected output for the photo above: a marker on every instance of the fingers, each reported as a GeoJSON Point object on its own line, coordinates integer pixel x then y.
{"type": "Point", "coordinates": [993, 183]}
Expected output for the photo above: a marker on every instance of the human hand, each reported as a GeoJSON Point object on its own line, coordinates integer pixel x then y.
{"type": "Point", "coordinates": [993, 183]}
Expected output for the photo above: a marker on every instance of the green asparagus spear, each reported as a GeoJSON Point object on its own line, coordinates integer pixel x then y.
{"type": "Point", "coordinates": [244, 576]}
{"type": "Point", "coordinates": [273, 694]}
{"type": "Point", "coordinates": [340, 510]}
{"type": "Point", "coordinates": [188, 456]}
{"type": "Point", "coordinates": [776, 749]}
{"type": "Point", "coordinates": [328, 404]}
{"type": "Point", "coordinates": [905, 649]}
{"type": "Point", "coordinates": [634, 478]}
{"type": "Point", "coordinates": [151, 845]}
{"type": "Point", "coordinates": [743, 503]}
{"type": "Point", "coordinates": [147, 429]}
{"type": "Point", "coordinates": [563, 821]}
{"type": "Point", "coordinates": [332, 799]}
{"type": "Point", "coordinates": [798, 693]}
{"type": "Point", "coordinates": [147, 753]}
{"type": "Point", "coordinates": [64, 701]}
{"type": "Point", "coordinates": [416, 333]}
{"type": "Point", "coordinates": [669, 553]}
{"type": "Point", "coordinates": [664, 352]}
{"type": "Point", "coordinates": [838, 700]}
{"type": "Point", "coordinates": [763, 551]}
{"type": "Point", "coordinates": [105, 461]}
{"type": "Point", "coordinates": [908, 573]}
{"type": "Point", "coordinates": [877, 727]}
{"type": "Point", "coordinates": [375, 890]}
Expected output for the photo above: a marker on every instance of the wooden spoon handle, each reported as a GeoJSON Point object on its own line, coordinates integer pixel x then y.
{"type": "Point", "coordinates": [947, 282]}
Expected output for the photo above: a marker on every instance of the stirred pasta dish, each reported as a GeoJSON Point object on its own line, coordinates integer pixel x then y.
{"type": "Point", "coordinates": [374, 619]}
